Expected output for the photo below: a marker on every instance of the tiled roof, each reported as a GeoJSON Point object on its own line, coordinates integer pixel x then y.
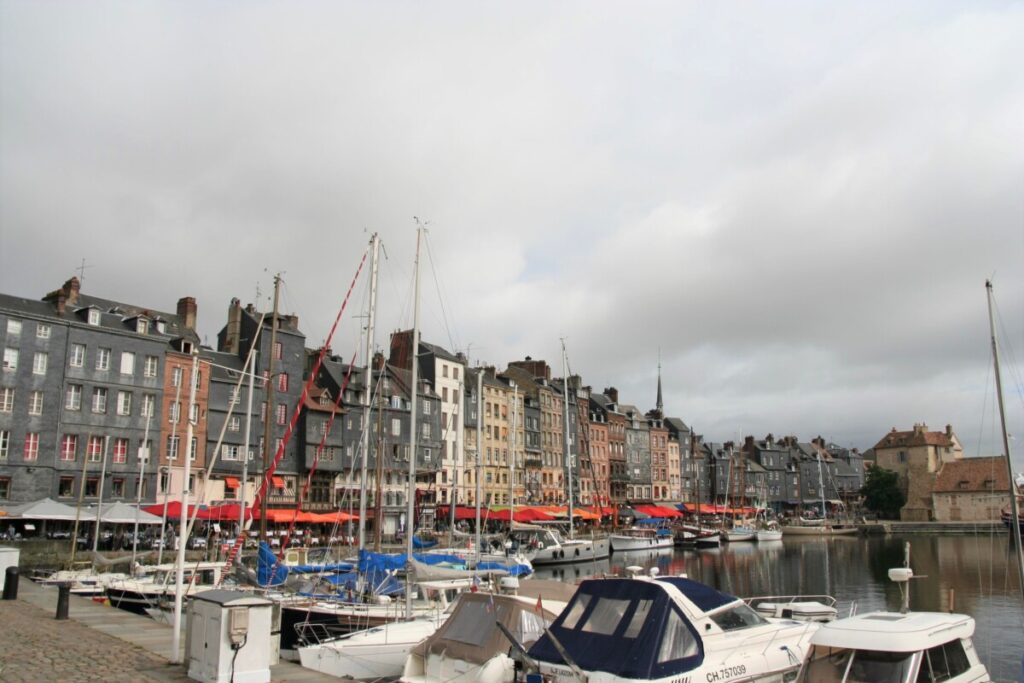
{"type": "Point", "coordinates": [914, 437]}
{"type": "Point", "coordinates": [972, 474]}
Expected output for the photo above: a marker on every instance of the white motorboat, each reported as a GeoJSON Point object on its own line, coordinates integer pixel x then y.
{"type": "Point", "coordinates": [822, 530]}
{"type": "Point", "coordinates": [156, 590]}
{"type": "Point", "coordinates": [769, 532]}
{"type": "Point", "coordinates": [378, 653]}
{"type": "Point", "coordinates": [739, 533]}
{"type": "Point", "coordinates": [668, 629]}
{"type": "Point", "coordinates": [84, 582]}
{"type": "Point", "coordinates": [544, 546]}
{"type": "Point", "coordinates": [471, 648]}
{"type": "Point", "coordinates": [638, 538]}
{"type": "Point", "coordinates": [896, 646]}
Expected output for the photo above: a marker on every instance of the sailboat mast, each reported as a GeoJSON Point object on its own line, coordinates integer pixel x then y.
{"type": "Point", "coordinates": [821, 487]}
{"type": "Point", "coordinates": [250, 367]}
{"type": "Point", "coordinates": [143, 459]}
{"type": "Point", "coordinates": [179, 570]}
{"type": "Point", "coordinates": [512, 456]}
{"type": "Point", "coordinates": [413, 391]}
{"type": "Point", "coordinates": [269, 416]}
{"type": "Point", "coordinates": [1014, 507]}
{"type": "Point", "coordinates": [367, 392]}
{"type": "Point", "coordinates": [565, 434]}
{"type": "Point", "coordinates": [479, 459]}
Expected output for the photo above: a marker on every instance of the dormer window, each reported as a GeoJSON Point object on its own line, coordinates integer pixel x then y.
{"type": "Point", "coordinates": [93, 316]}
{"type": "Point", "coordinates": [161, 326]}
{"type": "Point", "coordinates": [142, 326]}
{"type": "Point", "coordinates": [325, 399]}
{"type": "Point", "coordinates": [186, 347]}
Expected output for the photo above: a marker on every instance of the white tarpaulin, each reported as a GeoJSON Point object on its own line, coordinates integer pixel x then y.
{"type": "Point", "coordinates": [42, 509]}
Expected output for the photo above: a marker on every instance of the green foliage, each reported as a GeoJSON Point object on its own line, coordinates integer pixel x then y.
{"type": "Point", "coordinates": [882, 493]}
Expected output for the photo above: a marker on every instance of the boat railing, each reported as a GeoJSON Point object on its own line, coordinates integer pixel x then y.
{"type": "Point", "coordinates": [826, 600]}
{"type": "Point", "coordinates": [312, 633]}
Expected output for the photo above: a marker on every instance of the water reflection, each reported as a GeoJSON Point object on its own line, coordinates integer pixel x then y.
{"type": "Point", "coordinates": [970, 574]}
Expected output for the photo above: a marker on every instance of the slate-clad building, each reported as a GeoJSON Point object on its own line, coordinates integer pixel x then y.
{"type": "Point", "coordinates": [82, 376]}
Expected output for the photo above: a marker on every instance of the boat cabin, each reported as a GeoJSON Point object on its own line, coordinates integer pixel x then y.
{"type": "Point", "coordinates": [534, 536]}
{"type": "Point", "coordinates": [893, 647]}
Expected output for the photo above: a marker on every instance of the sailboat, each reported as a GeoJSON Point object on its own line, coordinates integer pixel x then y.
{"type": "Point", "coordinates": [824, 526]}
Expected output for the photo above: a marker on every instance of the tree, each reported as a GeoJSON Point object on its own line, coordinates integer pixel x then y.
{"type": "Point", "coordinates": [882, 492]}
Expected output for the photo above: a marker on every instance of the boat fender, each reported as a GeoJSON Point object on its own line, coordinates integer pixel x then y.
{"type": "Point", "coordinates": [577, 552]}
{"type": "Point", "coordinates": [561, 554]}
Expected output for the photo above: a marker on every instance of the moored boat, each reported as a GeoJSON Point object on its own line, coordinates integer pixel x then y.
{"type": "Point", "coordinates": [667, 629]}
{"type": "Point", "coordinates": [637, 538]}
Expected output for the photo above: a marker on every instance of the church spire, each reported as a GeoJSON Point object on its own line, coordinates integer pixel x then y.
{"type": "Point", "coordinates": [660, 404]}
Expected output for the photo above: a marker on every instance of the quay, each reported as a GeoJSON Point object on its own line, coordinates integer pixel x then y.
{"type": "Point", "coordinates": [97, 643]}
{"type": "Point", "coordinates": [944, 528]}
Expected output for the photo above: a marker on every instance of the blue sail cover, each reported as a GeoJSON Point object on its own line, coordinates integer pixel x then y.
{"type": "Point", "coordinates": [624, 627]}
{"type": "Point", "coordinates": [371, 562]}
{"type": "Point", "coordinates": [418, 542]}
{"type": "Point", "coordinates": [269, 572]}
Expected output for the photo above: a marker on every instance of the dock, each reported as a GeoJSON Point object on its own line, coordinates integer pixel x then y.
{"type": "Point", "coordinates": [97, 643]}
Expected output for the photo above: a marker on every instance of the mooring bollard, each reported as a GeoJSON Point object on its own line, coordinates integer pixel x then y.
{"type": "Point", "coordinates": [11, 583]}
{"type": "Point", "coordinates": [63, 600]}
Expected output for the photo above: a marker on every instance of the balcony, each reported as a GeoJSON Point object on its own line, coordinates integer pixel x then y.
{"type": "Point", "coordinates": [533, 463]}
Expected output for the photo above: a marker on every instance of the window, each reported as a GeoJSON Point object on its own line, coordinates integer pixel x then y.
{"type": "Point", "coordinates": [165, 481]}
{"type": "Point", "coordinates": [193, 449]}
{"type": "Point", "coordinates": [142, 326]}
{"type": "Point", "coordinates": [606, 615]}
{"type": "Point", "coordinates": [174, 414]}
{"type": "Point", "coordinates": [233, 399]}
{"type": "Point", "coordinates": [677, 641]}
{"type": "Point", "coordinates": [176, 377]}
{"type": "Point", "coordinates": [5, 488]}
{"type": "Point", "coordinates": [120, 450]}
{"type": "Point", "coordinates": [39, 363]}
{"type": "Point", "coordinates": [151, 367]}
{"type": "Point", "coordinates": [92, 487]}
{"type": "Point", "coordinates": [396, 427]}
{"type": "Point", "coordinates": [229, 452]}
{"type": "Point", "coordinates": [282, 411]}
{"type": "Point", "coordinates": [6, 399]}
{"type": "Point", "coordinates": [31, 446]}
{"type": "Point", "coordinates": [124, 403]}
{"type": "Point", "coordinates": [455, 372]}
{"type": "Point", "coordinates": [94, 316]}
{"type": "Point", "coordinates": [102, 359]}
{"type": "Point", "coordinates": [77, 358]}
{"type": "Point", "coordinates": [14, 327]}
{"type": "Point", "coordinates": [172, 449]}
{"type": "Point", "coordinates": [43, 331]}
{"type": "Point", "coordinates": [455, 395]}
{"type": "Point", "coordinates": [99, 400]}
{"type": "Point", "coordinates": [117, 487]}
{"type": "Point", "coordinates": [5, 443]}
{"type": "Point", "coordinates": [94, 449]}
{"type": "Point", "coordinates": [148, 405]}
{"type": "Point", "coordinates": [127, 363]}
{"type": "Point", "coordinates": [10, 359]}
{"type": "Point", "coordinates": [161, 326]}
{"type": "Point", "coordinates": [425, 430]}
{"type": "Point", "coordinates": [944, 662]}
{"type": "Point", "coordinates": [234, 424]}
{"type": "Point", "coordinates": [426, 407]}
{"type": "Point", "coordinates": [66, 487]}
{"type": "Point", "coordinates": [282, 382]}
{"type": "Point", "coordinates": [68, 447]}
{"type": "Point", "coordinates": [444, 394]}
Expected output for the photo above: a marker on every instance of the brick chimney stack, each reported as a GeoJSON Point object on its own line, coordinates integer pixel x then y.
{"type": "Point", "coordinates": [612, 393]}
{"type": "Point", "coordinates": [187, 310]}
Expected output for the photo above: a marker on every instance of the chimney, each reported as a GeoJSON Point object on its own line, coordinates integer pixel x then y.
{"type": "Point", "coordinates": [770, 440]}
{"type": "Point", "coordinates": [378, 361]}
{"type": "Point", "coordinates": [233, 330]}
{"type": "Point", "coordinates": [612, 393]}
{"type": "Point", "coordinates": [71, 288]}
{"type": "Point", "coordinates": [949, 430]}
{"type": "Point", "coordinates": [748, 443]}
{"type": "Point", "coordinates": [187, 312]}
{"type": "Point", "coordinates": [401, 349]}
{"type": "Point", "coordinates": [293, 321]}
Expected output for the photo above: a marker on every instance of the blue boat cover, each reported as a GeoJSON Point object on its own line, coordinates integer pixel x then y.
{"type": "Point", "coordinates": [624, 627]}
{"type": "Point", "coordinates": [371, 562]}
{"type": "Point", "coordinates": [704, 597]}
{"type": "Point", "coordinates": [269, 572]}
{"type": "Point", "coordinates": [418, 542]}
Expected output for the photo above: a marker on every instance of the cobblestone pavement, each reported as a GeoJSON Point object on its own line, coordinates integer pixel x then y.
{"type": "Point", "coordinates": [35, 647]}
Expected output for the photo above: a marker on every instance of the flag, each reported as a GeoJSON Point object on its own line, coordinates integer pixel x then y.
{"type": "Point", "coordinates": [540, 606]}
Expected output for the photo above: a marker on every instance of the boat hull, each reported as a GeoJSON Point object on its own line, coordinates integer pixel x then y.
{"type": "Point", "coordinates": [769, 535]}
{"type": "Point", "coordinates": [374, 654]}
{"type": "Point", "coordinates": [619, 542]}
{"type": "Point", "coordinates": [572, 551]}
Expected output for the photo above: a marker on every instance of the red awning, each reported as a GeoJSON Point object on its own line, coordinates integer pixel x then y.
{"type": "Point", "coordinates": [278, 482]}
{"type": "Point", "coordinates": [232, 482]}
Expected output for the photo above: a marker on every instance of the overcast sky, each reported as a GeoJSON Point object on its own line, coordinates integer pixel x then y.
{"type": "Point", "coordinates": [795, 204]}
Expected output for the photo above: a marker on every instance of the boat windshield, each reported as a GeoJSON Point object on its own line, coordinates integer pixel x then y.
{"type": "Point", "coordinates": [840, 665]}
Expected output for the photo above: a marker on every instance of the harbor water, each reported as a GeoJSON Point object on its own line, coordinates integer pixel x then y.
{"type": "Point", "coordinates": [973, 574]}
